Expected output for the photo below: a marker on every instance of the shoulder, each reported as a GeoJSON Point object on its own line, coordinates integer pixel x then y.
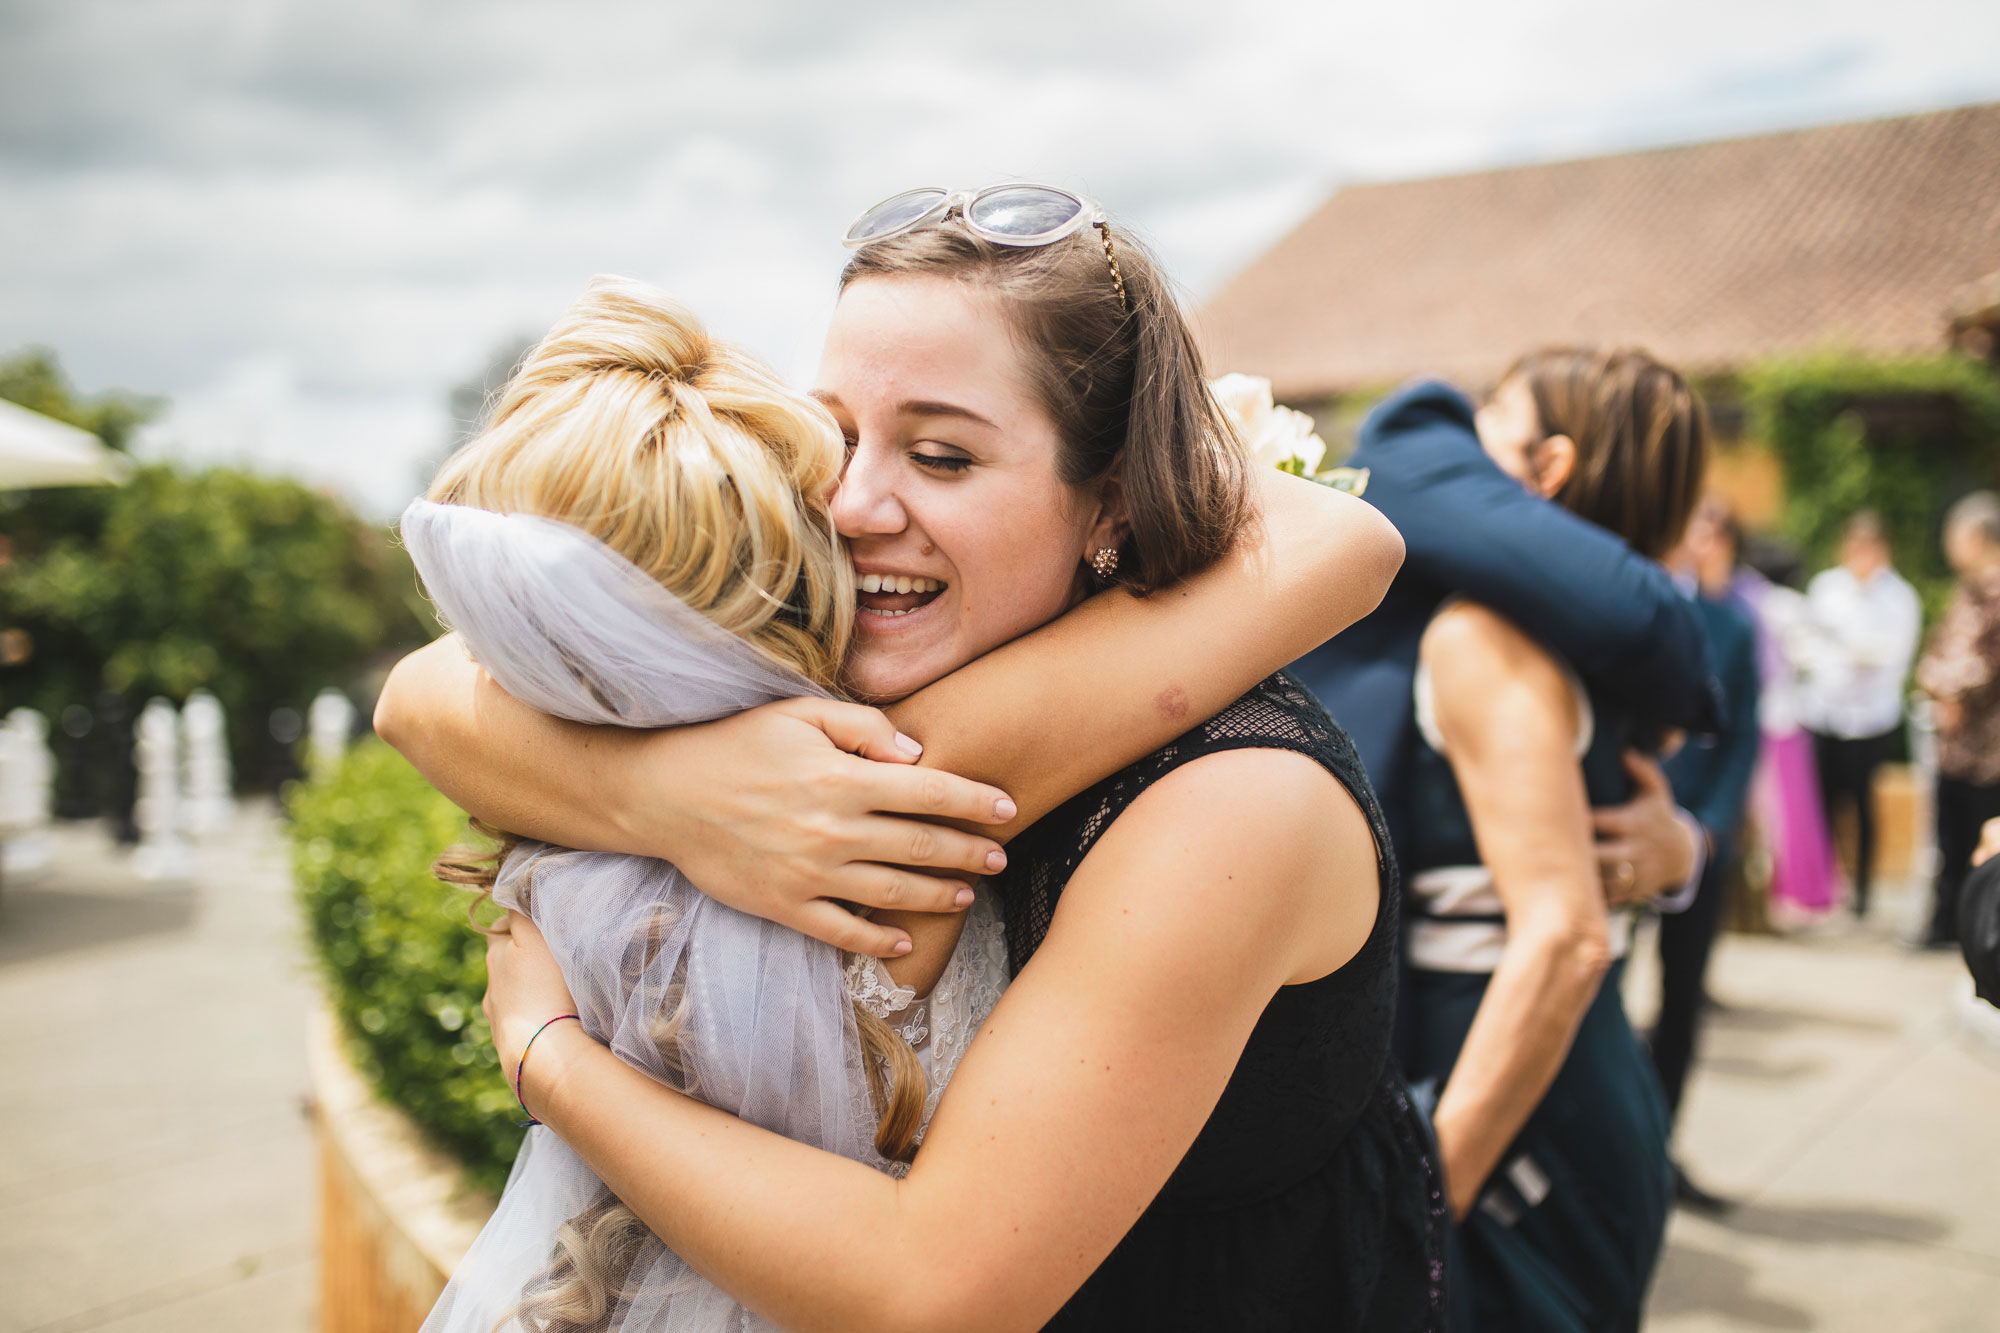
{"type": "Point", "coordinates": [1235, 849]}
{"type": "Point", "coordinates": [1488, 675]}
{"type": "Point", "coordinates": [1465, 640]}
{"type": "Point", "coordinates": [1270, 786]}
{"type": "Point", "coordinates": [1424, 410]}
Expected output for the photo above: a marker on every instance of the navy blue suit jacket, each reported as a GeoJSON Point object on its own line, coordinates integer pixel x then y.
{"type": "Point", "coordinates": [1711, 776]}
{"type": "Point", "coordinates": [1469, 528]}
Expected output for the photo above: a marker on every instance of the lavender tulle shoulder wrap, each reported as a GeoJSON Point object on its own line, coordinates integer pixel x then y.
{"type": "Point", "coordinates": [564, 623]}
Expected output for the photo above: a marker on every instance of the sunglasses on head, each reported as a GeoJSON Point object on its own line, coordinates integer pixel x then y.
{"type": "Point", "coordinates": [1017, 214]}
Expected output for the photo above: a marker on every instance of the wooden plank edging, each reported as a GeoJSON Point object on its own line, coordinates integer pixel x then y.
{"type": "Point", "coordinates": [396, 1214]}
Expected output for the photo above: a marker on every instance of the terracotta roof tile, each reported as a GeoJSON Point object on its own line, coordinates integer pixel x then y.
{"type": "Point", "coordinates": [1861, 235]}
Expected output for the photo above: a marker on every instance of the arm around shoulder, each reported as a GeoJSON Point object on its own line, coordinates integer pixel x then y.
{"type": "Point", "coordinates": [1051, 713]}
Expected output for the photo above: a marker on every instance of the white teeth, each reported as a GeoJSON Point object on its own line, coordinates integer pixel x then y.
{"type": "Point", "coordinates": [896, 583]}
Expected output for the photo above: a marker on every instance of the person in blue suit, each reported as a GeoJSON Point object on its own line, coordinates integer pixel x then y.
{"type": "Point", "coordinates": [1470, 529]}
{"type": "Point", "coordinates": [1712, 779]}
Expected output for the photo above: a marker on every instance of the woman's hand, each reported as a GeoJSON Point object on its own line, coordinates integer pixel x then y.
{"type": "Point", "coordinates": [524, 988]}
{"type": "Point", "coordinates": [813, 816]}
{"type": "Point", "coordinates": [1644, 847]}
{"type": "Point", "coordinates": [1989, 843]}
{"type": "Point", "coordinates": [782, 812]}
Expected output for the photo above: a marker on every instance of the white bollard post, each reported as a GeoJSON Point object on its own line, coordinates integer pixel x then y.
{"type": "Point", "coordinates": [329, 724]}
{"type": "Point", "coordinates": [210, 802]}
{"type": "Point", "coordinates": [162, 853]}
{"type": "Point", "coordinates": [27, 794]}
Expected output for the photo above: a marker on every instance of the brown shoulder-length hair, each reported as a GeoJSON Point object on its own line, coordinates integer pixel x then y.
{"type": "Point", "coordinates": [1641, 435]}
{"type": "Point", "coordinates": [1123, 383]}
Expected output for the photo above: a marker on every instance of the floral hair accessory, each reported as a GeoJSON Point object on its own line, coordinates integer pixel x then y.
{"type": "Point", "coordinates": [1280, 437]}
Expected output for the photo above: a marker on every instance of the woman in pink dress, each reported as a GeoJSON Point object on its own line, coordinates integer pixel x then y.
{"type": "Point", "coordinates": [1784, 796]}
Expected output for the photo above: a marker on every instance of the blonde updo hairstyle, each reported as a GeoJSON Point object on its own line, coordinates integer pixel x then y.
{"type": "Point", "coordinates": [694, 461]}
{"type": "Point", "coordinates": [685, 455]}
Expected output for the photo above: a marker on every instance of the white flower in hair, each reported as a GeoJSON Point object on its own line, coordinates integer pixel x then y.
{"type": "Point", "coordinates": [1273, 436]}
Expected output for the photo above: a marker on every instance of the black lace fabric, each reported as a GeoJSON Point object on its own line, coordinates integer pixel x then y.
{"type": "Point", "coordinates": [1311, 1198]}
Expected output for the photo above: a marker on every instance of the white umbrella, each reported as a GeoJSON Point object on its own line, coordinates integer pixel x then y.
{"type": "Point", "coordinates": [38, 451]}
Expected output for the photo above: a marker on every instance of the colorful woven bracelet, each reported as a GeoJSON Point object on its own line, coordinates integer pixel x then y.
{"type": "Point", "coordinates": [523, 1064]}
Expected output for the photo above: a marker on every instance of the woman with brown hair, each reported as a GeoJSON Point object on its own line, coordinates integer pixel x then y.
{"type": "Point", "coordinates": [1181, 1112]}
{"type": "Point", "coordinates": [1550, 1122]}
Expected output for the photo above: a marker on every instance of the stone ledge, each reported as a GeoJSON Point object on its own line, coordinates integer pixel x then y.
{"type": "Point", "coordinates": [396, 1214]}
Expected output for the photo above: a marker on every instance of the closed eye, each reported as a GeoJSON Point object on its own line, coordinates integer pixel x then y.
{"type": "Point", "coordinates": [941, 462]}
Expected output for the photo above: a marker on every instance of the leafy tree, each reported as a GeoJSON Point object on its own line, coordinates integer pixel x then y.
{"type": "Point", "coordinates": [257, 588]}
{"type": "Point", "coordinates": [33, 378]}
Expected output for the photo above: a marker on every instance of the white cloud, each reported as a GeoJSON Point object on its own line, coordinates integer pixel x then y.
{"type": "Point", "coordinates": [318, 217]}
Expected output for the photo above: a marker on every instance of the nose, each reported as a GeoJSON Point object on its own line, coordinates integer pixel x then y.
{"type": "Point", "coordinates": [865, 503]}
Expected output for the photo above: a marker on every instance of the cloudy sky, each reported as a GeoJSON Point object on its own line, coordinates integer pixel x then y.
{"type": "Point", "coordinates": [305, 221]}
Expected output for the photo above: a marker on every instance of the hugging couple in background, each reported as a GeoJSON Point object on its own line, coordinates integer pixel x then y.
{"type": "Point", "coordinates": [930, 905]}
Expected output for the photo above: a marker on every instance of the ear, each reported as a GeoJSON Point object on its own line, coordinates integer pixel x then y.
{"type": "Point", "coordinates": [1554, 463]}
{"type": "Point", "coordinates": [1110, 525]}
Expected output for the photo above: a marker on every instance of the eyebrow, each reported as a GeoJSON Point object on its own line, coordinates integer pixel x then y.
{"type": "Point", "coordinates": [916, 407]}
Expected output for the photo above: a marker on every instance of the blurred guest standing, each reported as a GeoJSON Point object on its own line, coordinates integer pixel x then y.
{"type": "Point", "coordinates": [1868, 620]}
{"type": "Point", "coordinates": [1711, 778]}
{"type": "Point", "coordinates": [1961, 672]}
{"type": "Point", "coordinates": [1784, 795]}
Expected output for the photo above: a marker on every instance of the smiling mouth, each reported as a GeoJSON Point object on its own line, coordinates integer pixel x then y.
{"type": "Point", "coordinates": [892, 596]}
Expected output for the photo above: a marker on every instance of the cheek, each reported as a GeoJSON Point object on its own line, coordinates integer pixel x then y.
{"type": "Point", "coordinates": [1017, 567]}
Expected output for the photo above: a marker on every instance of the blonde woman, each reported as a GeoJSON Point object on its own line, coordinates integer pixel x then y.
{"type": "Point", "coordinates": [1182, 1112]}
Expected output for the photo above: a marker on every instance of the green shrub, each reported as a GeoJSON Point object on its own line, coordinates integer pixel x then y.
{"type": "Point", "coordinates": [1904, 436]}
{"type": "Point", "coordinates": [404, 970]}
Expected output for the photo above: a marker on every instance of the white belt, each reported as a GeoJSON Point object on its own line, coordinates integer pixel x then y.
{"type": "Point", "coordinates": [1436, 943]}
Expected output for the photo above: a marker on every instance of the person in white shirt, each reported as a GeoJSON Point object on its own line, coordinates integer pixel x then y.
{"type": "Point", "coordinates": [1865, 619]}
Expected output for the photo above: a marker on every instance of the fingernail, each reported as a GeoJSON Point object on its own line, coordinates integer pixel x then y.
{"type": "Point", "coordinates": [1005, 809]}
{"type": "Point", "coordinates": [908, 745]}
{"type": "Point", "coordinates": [963, 898]}
{"type": "Point", "coordinates": [902, 947]}
{"type": "Point", "coordinates": [996, 859]}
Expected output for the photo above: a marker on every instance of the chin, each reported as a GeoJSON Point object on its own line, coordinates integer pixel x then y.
{"type": "Point", "coordinates": [882, 678]}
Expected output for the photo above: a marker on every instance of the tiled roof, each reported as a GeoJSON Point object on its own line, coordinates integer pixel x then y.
{"type": "Point", "coordinates": [1866, 236]}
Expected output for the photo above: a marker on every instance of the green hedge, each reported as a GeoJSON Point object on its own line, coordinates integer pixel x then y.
{"type": "Point", "coordinates": [1904, 436]}
{"type": "Point", "coordinates": [404, 970]}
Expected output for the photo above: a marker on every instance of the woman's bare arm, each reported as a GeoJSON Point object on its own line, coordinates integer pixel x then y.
{"type": "Point", "coordinates": [1082, 1093]}
{"type": "Point", "coordinates": [1118, 677]}
{"type": "Point", "coordinates": [766, 810]}
{"type": "Point", "coordinates": [1508, 717]}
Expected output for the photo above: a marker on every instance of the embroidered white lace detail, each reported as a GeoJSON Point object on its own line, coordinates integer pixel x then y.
{"type": "Point", "coordinates": [873, 990]}
{"type": "Point", "coordinates": [964, 996]}
{"type": "Point", "coordinates": [941, 1025]}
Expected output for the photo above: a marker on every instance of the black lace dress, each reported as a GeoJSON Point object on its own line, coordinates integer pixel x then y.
{"type": "Point", "coordinates": [1310, 1199]}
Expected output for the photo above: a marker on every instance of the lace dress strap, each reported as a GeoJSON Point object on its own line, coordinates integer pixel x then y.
{"type": "Point", "coordinates": [1276, 714]}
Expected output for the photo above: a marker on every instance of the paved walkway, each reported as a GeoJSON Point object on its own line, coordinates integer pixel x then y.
{"type": "Point", "coordinates": [155, 1166]}
{"type": "Point", "coordinates": [155, 1171]}
{"type": "Point", "coordinates": [1848, 1096]}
